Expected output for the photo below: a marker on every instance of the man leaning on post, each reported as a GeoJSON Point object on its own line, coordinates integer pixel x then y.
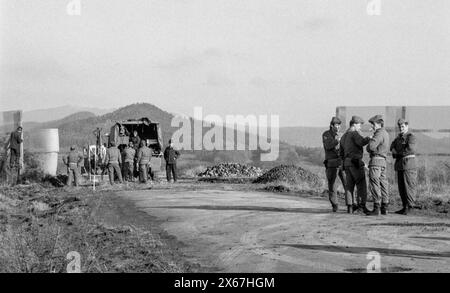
{"type": "Point", "coordinates": [333, 163]}
{"type": "Point", "coordinates": [113, 161]}
{"type": "Point", "coordinates": [403, 150]}
{"type": "Point", "coordinates": [378, 184]}
{"type": "Point", "coordinates": [72, 161]}
{"type": "Point", "coordinates": [351, 151]}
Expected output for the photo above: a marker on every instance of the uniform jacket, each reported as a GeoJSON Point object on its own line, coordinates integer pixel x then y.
{"type": "Point", "coordinates": [351, 148]}
{"type": "Point", "coordinates": [73, 157]}
{"type": "Point", "coordinates": [15, 141]}
{"type": "Point", "coordinates": [144, 155]}
{"type": "Point", "coordinates": [171, 155]}
{"type": "Point", "coordinates": [378, 148]}
{"type": "Point", "coordinates": [129, 154]}
{"type": "Point", "coordinates": [113, 156]}
{"type": "Point", "coordinates": [136, 142]}
{"type": "Point", "coordinates": [403, 147]}
{"type": "Point", "coordinates": [331, 147]}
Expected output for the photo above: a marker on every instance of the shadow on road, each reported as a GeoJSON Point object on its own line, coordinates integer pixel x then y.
{"type": "Point", "coordinates": [431, 238]}
{"type": "Point", "coordinates": [365, 250]}
{"type": "Point", "coordinates": [412, 224]}
{"type": "Point", "coordinates": [250, 208]}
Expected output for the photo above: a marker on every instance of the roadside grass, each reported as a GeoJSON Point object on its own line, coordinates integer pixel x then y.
{"type": "Point", "coordinates": [41, 225]}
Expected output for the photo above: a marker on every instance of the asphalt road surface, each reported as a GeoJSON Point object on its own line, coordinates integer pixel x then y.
{"type": "Point", "coordinates": [248, 231]}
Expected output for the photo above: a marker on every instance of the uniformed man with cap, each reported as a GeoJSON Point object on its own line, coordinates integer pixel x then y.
{"type": "Point", "coordinates": [351, 151]}
{"type": "Point", "coordinates": [73, 159]}
{"type": "Point", "coordinates": [143, 160]}
{"type": "Point", "coordinates": [128, 167]}
{"type": "Point", "coordinates": [333, 163]}
{"type": "Point", "coordinates": [378, 184]}
{"type": "Point", "coordinates": [403, 150]}
{"type": "Point", "coordinates": [113, 160]}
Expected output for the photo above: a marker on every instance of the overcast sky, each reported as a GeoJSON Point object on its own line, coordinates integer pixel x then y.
{"type": "Point", "coordinates": [297, 59]}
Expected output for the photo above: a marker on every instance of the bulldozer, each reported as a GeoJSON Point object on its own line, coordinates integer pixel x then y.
{"type": "Point", "coordinates": [150, 131]}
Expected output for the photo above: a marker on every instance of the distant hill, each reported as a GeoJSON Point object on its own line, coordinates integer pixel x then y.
{"type": "Point", "coordinates": [302, 136]}
{"type": "Point", "coordinates": [50, 114]}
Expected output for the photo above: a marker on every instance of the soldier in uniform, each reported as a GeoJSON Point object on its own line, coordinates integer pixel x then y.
{"type": "Point", "coordinates": [403, 150]}
{"type": "Point", "coordinates": [113, 160]}
{"type": "Point", "coordinates": [72, 161]}
{"type": "Point", "coordinates": [351, 151]}
{"type": "Point", "coordinates": [378, 184]}
{"type": "Point", "coordinates": [171, 156]}
{"type": "Point", "coordinates": [333, 163]}
{"type": "Point", "coordinates": [128, 168]}
{"type": "Point", "coordinates": [143, 159]}
{"type": "Point", "coordinates": [14, 147]}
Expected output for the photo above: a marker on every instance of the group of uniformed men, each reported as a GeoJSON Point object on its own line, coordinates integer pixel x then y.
{"type": "Point", "coordinates": [344, 158]}
{"type": "Point", "coordinates": [121, 165]}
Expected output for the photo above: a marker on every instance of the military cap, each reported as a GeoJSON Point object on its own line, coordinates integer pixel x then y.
{"type": "Point", "coordinates": [335, 120]}
{"type": "Point", "coordinates": [402, 121]}
{"type": "Point", "coordinates": [376, 118]}
{"type": "Point", "coordinates": [73, 147]}
{"type": "Point", "coordinates": [357, 119]}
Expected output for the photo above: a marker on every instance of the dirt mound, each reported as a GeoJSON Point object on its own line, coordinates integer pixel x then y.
{"type": "Point", "coordinates": [231, 170]}
{"type": "Point", "coordinates": [290, 174]}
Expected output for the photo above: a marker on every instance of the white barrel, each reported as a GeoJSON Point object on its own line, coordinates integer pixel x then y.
{"type": "Point", "coordinates": [45, 145]}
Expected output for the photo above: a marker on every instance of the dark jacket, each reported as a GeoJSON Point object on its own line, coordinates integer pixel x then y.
{"type": "Point", "coordinates": [378, 148]}
{"type": "Point", "coordinates": [15, 140]}
{"type": "Point", "coordinates": [351, 148]}
{"type": "Point", "coordinates": [403, 150]}
{"type": "Point", "coordinates": [171, 155]}
{"type": "Point", "coordinates": [136, 142]}
{"type": "Point", "coordinates": [144, 155]}
{"type": "Point", "coordinates": [113, 156]}
{"type": "Point", "coordinates": [331, 146]}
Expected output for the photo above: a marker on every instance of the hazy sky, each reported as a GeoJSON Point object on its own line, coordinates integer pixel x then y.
{"type": "Point", "coordinates": [298, 59]}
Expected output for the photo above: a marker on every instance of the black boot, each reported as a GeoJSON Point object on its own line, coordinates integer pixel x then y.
{"type": "Point", "coordinates": [355, 208]}
{"type": "Point", "coordinates": [335, 208]}
{"type": "Point", "coordinates": [402, 211]}
{"type": "Point", "coordinates": [375, 212]}
{"type": "Point", "coordinates": [365, 210]}
{"type": "Point", "coordinates": [384, 207]}
{"type": "Point", "coordinates": [349, 209]}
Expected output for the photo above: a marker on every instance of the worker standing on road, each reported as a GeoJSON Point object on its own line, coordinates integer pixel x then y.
{"type": "Point", "coordinates": [113, 160]}
{"type": "Point", "coordinates": [72, 161]}
{"type": "Point", "coordinates": [403, 150]}
{"type": "Point", "coordinates": [143, 159]}
{"type": "Point", "coordinates": [378, 184]}
{"type": "Point", "coordinates": [171, 156]}
{"type": "Point", "coordinates": [351, 152]}
{"type": "Point", "coordinates": [333, 163]}
{"type": "Point", "coordinates": [129, 154]}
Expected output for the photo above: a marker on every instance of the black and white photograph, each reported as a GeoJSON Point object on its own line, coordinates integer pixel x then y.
{"type": "Point", "coordinates": [224, 143]}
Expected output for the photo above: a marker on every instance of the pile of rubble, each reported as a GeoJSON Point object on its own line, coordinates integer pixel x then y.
{"type": "Point", "coordinates": [289, 174]}
{"type": "Point", "coordinates": [231, 170]}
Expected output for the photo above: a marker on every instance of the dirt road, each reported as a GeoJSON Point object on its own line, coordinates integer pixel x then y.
{"type": "Point", "coordinates": [228, 230]}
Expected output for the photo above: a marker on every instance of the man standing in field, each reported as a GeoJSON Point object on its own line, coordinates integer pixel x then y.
{"type": "Point", "coordinates": [403, 150]}
{"type": "Point", "coordinates": [113, 160]}
{"type": "Point", "coordinates": [14, 147]}
{"type": "Point", "coordinates": [333, 163]}
{"type": "Point", "coordinates": [72, 161]}
{"type": "Point", "coordinates": [143, 159]}
{"type": "Point", "coordinates": [128, 168]}
{"type": "Point", "coordinates": [378, 183]}
{"type": "Point", "coordinates": [351, 152]}
{"type": "Point", "coordinates": [170, 156]}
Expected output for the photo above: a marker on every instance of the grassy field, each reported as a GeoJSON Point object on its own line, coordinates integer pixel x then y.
{"type": "Point", "coordinates": [40, 225]}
